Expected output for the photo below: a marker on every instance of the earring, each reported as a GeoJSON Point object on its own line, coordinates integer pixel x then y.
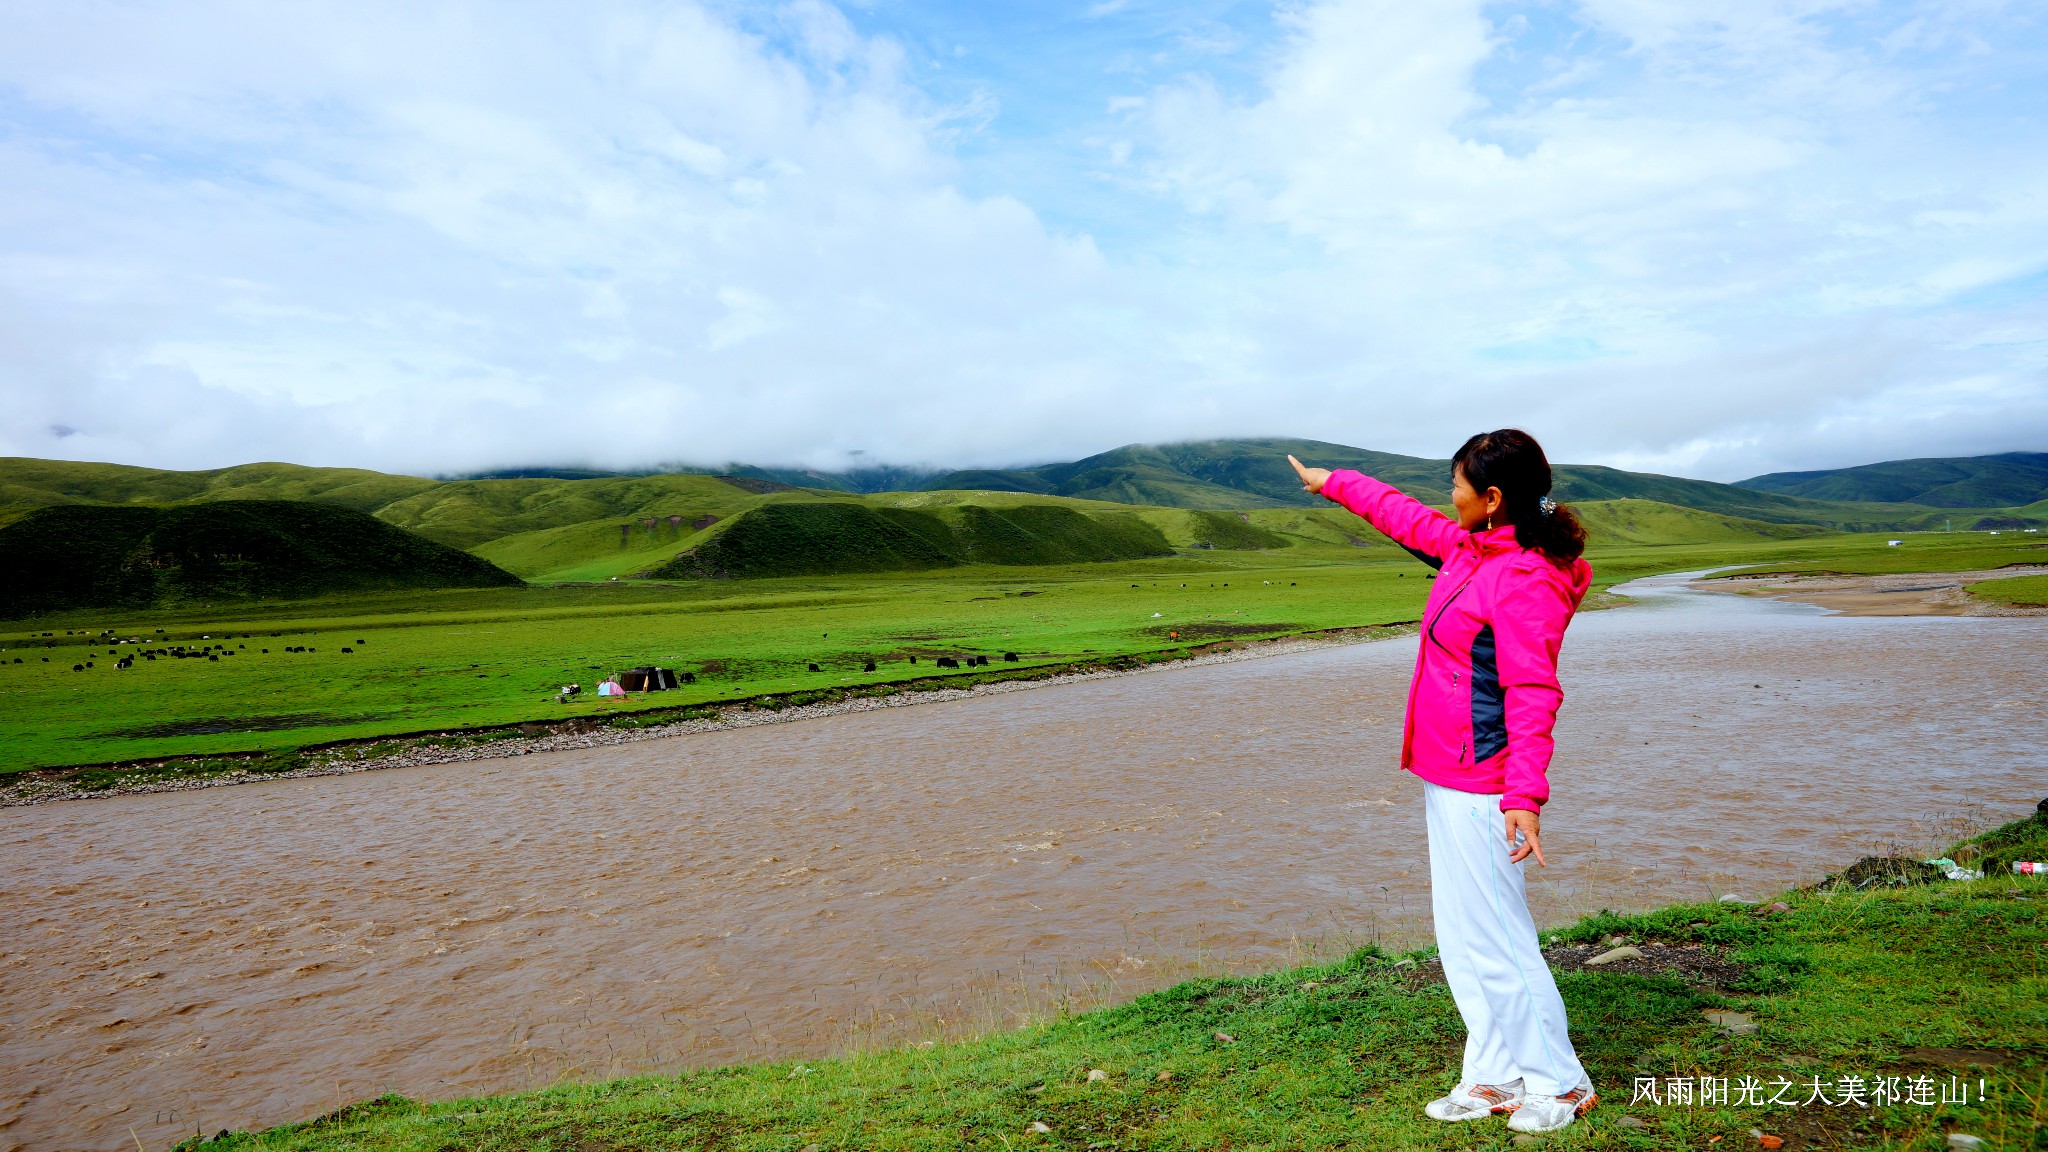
{"type": "Point", "coordinates": [1489, 523]}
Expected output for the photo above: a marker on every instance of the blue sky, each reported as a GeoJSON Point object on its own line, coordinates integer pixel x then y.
{"type": "Point", "coordinates": [1707, 239]}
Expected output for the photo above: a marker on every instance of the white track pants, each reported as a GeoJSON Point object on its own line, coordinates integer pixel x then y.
{"type": "Point", "coordinates": [1514, 1019]}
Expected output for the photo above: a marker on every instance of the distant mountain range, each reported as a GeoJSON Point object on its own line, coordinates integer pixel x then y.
{"type": "Point", "coordinates": [80, 522]}
{"type": "Point", "coordinates": [2009, 479]}
{"type": "Point", "coordinates": [1253, 473]}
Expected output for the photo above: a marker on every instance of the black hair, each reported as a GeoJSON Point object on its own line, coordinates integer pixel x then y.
{"type": "Point", "coordinates": [1512, 461]}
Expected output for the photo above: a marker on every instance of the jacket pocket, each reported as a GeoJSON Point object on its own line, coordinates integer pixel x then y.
{"type": "Point", "coordinates": [1488, 704]}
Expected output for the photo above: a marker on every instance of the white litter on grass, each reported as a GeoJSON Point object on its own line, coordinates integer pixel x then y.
{"type": "Point", "coordinates": [1955, 871]}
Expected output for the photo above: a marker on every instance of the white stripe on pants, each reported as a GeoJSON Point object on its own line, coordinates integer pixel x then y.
{"type": "Point", "coordinates": [1514, 1019]}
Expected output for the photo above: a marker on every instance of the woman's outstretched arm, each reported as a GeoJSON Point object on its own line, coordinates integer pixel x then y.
{"type": "Point", "coordinates": [1407, 521]}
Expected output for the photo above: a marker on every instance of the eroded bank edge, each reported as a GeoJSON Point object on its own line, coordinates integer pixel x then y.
{"type": "Point", "coordinates": [450, 745]}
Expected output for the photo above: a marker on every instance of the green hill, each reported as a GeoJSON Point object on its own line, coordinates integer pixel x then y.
{"type": "Point", "coordinates": [1611, 522]}
{"type": "Point", "coordinates": [29, 483]}
{"type": "Point", "coordinates": [571, 524]}
{"type": "Point", "coordinates": [816, 540]}
{"type": "Point", "coordinates": [2003, 480]}
{"type": "Point", "coordinates": [861, 481]}
{"type": "Point", "coordinates": [131, 556]}
{"type": "Point", "coordinates": [467, 513]}
{"type": "Point", "coordinates": [844, 536]}
{"type": "Point", "coordinates": [1253, 473]}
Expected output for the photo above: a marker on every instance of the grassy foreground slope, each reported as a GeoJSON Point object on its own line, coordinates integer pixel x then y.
{"type": "Point", "coordinates": [135, 556]}
{"type": "Point", "coordinates": [460, 659]}
{"type": "Point", "coordinates": [1942, 982]}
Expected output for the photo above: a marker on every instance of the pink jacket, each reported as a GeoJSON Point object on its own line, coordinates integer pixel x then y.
{"type": "Point", "coordinates": [1485, 694]}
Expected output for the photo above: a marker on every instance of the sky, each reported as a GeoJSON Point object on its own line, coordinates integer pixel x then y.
{"type": "Point", "coordinates": [1710, 239]}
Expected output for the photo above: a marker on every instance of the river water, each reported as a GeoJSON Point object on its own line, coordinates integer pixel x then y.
{"type": "Point", "coordinates": [246, 956]}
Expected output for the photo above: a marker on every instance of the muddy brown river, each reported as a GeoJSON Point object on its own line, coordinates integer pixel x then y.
{"type": "Point", "coordinates": [246, 956]}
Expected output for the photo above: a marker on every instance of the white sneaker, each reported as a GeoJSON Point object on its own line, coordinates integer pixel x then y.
{"type": "Point", "coordinates": [1540, 1113]}
{"type": "Point", "coordinates": [1472, 1101]}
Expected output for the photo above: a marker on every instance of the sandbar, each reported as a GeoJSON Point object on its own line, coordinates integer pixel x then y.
{"type": "Point", "coordinates": [1894, 594]}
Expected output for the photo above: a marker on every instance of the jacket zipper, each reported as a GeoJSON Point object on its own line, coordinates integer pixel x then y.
{"type": "Point", "coordinates": [1431, 630]}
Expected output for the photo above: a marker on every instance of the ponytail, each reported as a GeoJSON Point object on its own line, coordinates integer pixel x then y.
{"type": "Point", "coordinates": [1513, 462]}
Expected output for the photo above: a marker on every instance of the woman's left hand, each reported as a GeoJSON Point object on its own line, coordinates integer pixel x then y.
{"type": "Point", "coordinates": [1312, 479]}
{"type": "Point", "coordinates": [1524, 821]}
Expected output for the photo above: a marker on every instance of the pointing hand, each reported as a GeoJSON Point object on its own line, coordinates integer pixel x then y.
{"type": "Point", "coordinates": [1312, 479]}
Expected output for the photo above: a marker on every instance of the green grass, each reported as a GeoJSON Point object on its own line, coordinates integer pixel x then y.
{"type": "Point", "coordinates": [466, 659]}
{"type": "Point", "coordinates": [1868, 554]}
{"type": "Point", "coordinates": [470, 659]}
{"type": "Point", "coordinates": [2025, 591]}
{"type": "Point", "coordinates": [1883, 983]}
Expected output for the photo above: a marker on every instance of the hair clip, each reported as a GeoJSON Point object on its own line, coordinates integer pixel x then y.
{"type": "Point", "coordinates": [1546, 505]}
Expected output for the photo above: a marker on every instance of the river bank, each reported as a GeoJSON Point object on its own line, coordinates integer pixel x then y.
{"type": "Point", "coordinates": [185, 774]}
{"type": "Point", "coordinates": [1891, 594]}
{"type": "Point", "coordinates": [1829, 1018]}
{"type": "Point", "coordinates": [1901, 594]}
{"type": "Point", "coordinates": [243, 957]}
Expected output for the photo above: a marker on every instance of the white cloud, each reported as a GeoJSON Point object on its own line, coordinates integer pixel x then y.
{"type": "Point", "coordinates": [374, 237]}
{"type": "Point", "coordinates": [433, 237]}
{"type": "Point", "coordinates": [1708, 245]}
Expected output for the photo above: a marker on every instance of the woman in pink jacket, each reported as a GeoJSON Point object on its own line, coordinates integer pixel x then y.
{"type": "Point", "coordinates": [1480, 711]}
